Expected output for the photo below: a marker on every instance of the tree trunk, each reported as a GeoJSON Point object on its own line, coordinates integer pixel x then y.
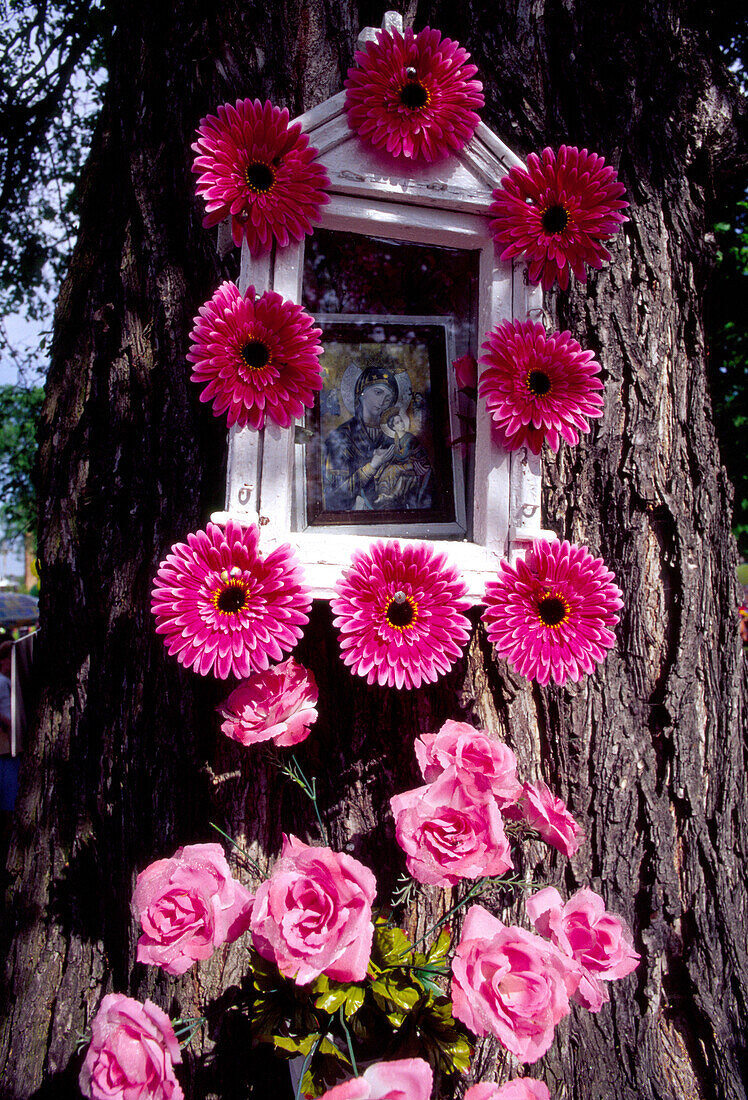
{"type": "Point", "coordinates": [647, 752]}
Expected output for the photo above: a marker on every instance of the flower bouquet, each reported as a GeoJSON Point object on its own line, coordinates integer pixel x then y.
{"type": "Point", "coordinates": [360, 1006]}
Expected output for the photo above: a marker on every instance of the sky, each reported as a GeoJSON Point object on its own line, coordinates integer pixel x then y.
{"type": "Point", "coordinates": [23, 335]}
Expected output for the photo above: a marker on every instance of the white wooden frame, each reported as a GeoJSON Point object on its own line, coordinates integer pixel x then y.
{"type": "Point", "coordinates": [442, 204]}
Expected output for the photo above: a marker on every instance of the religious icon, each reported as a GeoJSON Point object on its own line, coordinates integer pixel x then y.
{"type": "Point", "coordinates": [380, 450]}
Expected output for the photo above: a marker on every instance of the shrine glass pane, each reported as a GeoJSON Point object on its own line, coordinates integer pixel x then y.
{"type": "Point", "coordinates": [388, 440]}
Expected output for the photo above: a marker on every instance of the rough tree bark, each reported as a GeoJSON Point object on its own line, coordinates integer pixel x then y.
{"type": "Point", "coordinates": [647, 752]}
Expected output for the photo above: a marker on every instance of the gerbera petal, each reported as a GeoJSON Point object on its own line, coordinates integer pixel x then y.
{"type": "Point", "coordinates": [400, 613]}
{"type": "Point", "coordinates": [259, 172]}
{"type": "Point", "coordinates": [222, 608]}
{"type": "Point", "coordinates": [557, 211]}
{"type": "Point", "coordinates": [558, 625]}
{"type": "Point", "coordinates": [538, 386]}
{"type": "Point", "coordinates": [258, 359]}
{"type": "Point", "coordinates": [413, 94]}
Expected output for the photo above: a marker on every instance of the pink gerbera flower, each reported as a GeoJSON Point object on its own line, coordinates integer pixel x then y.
{"type": "Point", "coordinates": [413, 94]}
{"type": "Point", "coordinates": [538, 387]}
{"type": "Point", "coordinates": [400, 614]}
{"type": "Point", "coordinates": [553, 614]}
{"type": "Point", "coordinates": [252, 166]}
{"type": "Point", "coordinates": [223, 608]}
{"type": "Point", "coordinates": [260, 358]}
{"type": "Point", "coordinates": [557, 211]}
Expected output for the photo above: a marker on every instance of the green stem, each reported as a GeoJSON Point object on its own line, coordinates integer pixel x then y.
{"type": "Point", "coordinates": [349, 1041]}
{"type": "Point", "coordinates": [242, 854]}
{"type": "Point", "coordinates": [183, 1023]}
{"type": "Point", "coordinates": [309, 789]}
{"type": "Point", "coordinates": [414, 966]}
{"type": "Point", "coordinates": [499, 882]}
{"type": "Point", "coordinates": [306, 1064]}
{"type": "Point", "coordinates": [479, 886]}
{"type": "Point", "coordinates": [187, 1028]}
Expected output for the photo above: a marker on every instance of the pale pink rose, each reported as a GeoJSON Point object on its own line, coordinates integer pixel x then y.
{"type": "Point", "coordinates": [466, 371]}
{"type": "Point", "coordinates": [406, 1079]}
{"type": "Point", "coordinates": [132, 1053]}
{"type": "Point", "coordinates": [484, 766]}
{"type": "Point", "coordinates": [548, 816]}
{"type": "Point", "coordinates": [521, 1088]}
{"type": "Point", "coordinates": [188, 905]}
{"type": "Point", "coordinates": [600, 942]}
{"type": "Point", "coordinates": [313, 915]}
{"type": "Point", "coordinates": [447, 835]}
{"type": "Point", "coordinates": [276, 705]}
{"type": "Point", "coordinates": [511, 984]}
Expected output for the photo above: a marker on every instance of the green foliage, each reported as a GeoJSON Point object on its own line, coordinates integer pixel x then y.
{"type": "Point", "coordinates": [338, 996]}
{"type": "Point", "coordinates": [51, 78]}
{"type": "Point", "coordinates": [404, 984]}
{"type": "Point", "coordinates": [399, 1011]}
{"type": "Point", "coordinates": [19, 416]}
{"type": "Point", "coordinates": [728, 357]}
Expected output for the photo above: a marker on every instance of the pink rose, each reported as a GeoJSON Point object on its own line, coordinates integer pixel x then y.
{"type": "Point", "coordinates": [313, 915]}
{"type": "Point", "coordinates": [132, 1053]}
{"type": "Point", "coordinates": [276, 705]}
{"type": "Point", "coordinates": [466, 371]}
{"type": "Point", "coordinates": [511, 984]}
{"type": "Point", "coordinates": [548, 815]}
{"type": "Point", "coordinates": [406, 1079]}
{"type": "Point", "coordinates": [447, 835]}
{"type": "Point", "coordinates": [484, 766]}
{"type": "Point", "coordinates": [521, 1088]}
{"type": "Point", "coordinates": [188, 905]}
{"type": "Point", "coordinates": [599, 941]}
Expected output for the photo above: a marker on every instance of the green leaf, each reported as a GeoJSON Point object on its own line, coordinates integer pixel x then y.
{"type": "Point", "coordinates": [20, 414]}
{"type": "Point", "coordinates": [459, 1053]}
{"type": "Point", "coordinates": [296, 1045]}
{"type": "Point", "coordinates": [354, 1000]}
{"type": "Point", "coordinates": [440, 947]}
{"type": "Point", "coordinates": [328, 1065]}
{"type": "Point", "coordinates": [331, 996]}
{"type": "Point", "coordinates": [332, 1051]}
{"type": "Point", "coordinates": [331, 1001]}
{"type": "Point", "coordinates": [391, 945]}
{"type": "Point", "coordinates": [432, 1030]}
{"type": "Point", "coordinates": [323, 1072]}
{"type": "Point", "coordinates": [398, 990]}
{"type": "Point", "coordinates": [428, 983]}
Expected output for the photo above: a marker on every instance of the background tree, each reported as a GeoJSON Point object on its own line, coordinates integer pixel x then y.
{"type": "Point", "coordinates": [19, 415]}
{"type": "Point", "coordinates": [648, 752]}
{"type": "Point", "coordinates": [728, 353]}
{"type": "Point", "coordinates": [50, 72]}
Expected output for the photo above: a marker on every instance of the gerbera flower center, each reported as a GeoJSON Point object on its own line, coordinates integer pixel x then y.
{"type": "Point", "coordinates": [555, 219]}
{"type": "Point", "coordinates": [259, 177]}
{"type": "Point", "coordinates": [232, 599]}
{"type": "Point", "coordinates": [255, 354]}
{"type": "Point", "coordinates": [538, 383]}
{"type": "Point", "coordinates": [402, 611]}
{"type": "Point", "coordinates": [414, 95]}
{"type": "Point", "coordinates": [553, 610]}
